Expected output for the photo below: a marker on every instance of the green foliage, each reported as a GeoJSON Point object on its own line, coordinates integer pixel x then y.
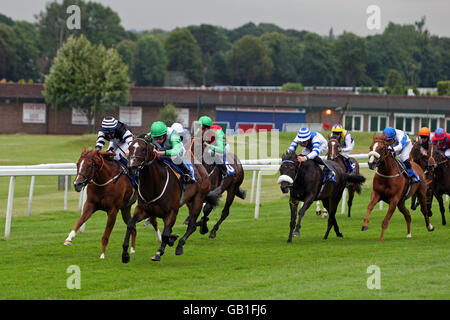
{"type": "Point", "coordinates": [89, 77]}
{"type": "Point", "coordinates": [394, 84]}
{"type": "Point", "coordinates": [168, 114]}
{"type": "Point", "coordinates": [150, 62]}
{"type": "Point", "coordinates": [443, 88]}
{"type": "Point", "coordinates": [292, 87]}
{"type": "Point", "coordinates": [7, 51]}
{"type": "Point", "coordinates": [351, 54]}
{"type": "Point", "coordinates": [249, 62]}
{"type": "Point", "coordinates": [127, 51]}
{"type": "Point", "coordinates": [184, 54]}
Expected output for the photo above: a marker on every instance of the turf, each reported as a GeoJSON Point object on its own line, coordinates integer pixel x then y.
{"type": "Point", "coordinates": [249, 259]}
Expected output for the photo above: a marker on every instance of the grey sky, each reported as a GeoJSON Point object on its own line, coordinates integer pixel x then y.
{"type": "Point", "coordinates": [312, 15]}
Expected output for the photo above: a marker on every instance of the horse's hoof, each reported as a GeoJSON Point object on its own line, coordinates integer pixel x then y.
{"type": "Point", "coordinates": [156, 257]}
{"type": "Point", "coordinates": [340, 235]}
{"type": "Point", "coordinates": [132, 250]}
{"type": "Point", "coordinates": [430, 227]}
{"type": "Point", "coordinates": [296, 234]}
{"type": "Point", "coordinates": [102, 256]}
{"type": "Point", "coordinates": [125, 258]}
{"type": "Point", "coordinates": [365, 228]}
{"type": "Point", "coordinates": [203, 230]}
{"type": "Point", "coordinates": [172, 239]}
{"type": "Point", "coordinates": [324, 215]}
{"type": "Point", "coordinates": [430, 213]}
{"type": "Point", "coordinates": [408, 235]}
{"type": "Point", "coordinates": [212, 235]}
{"type": "Point", "coordinates": [179, 251]}
{"type": "Point", "coordinates": [67, 243]}
{"type": "Point", "coordinates": [318, 213]}
{"type": "Point", "coordinates": [289, 241]}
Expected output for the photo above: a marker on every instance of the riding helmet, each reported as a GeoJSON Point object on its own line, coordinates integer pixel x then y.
{"type": "Point", "coordinates": [390, 133]}
{"type": "Point", "coordinates": [304, 134]}
{"type": "Point", "coordinates": [109, 124]}
{"type": "Point", "coordinates": [158, 129]}
{"type": "Point", "coordinates": [440, 134]}
{"type": "Point", "coordinates": [424, 131]}
{"type": "Point", "coordinates": [205, 121]}
{"type": "Point", "coordinates": [337, 128]}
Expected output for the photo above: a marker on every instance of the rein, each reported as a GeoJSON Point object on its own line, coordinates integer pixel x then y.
{"type": "Point", "coordinates": [382, 159]}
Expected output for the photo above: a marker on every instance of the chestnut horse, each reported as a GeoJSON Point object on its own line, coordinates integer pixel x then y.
{"type": "Point", "coordinates": [392, 186]}
{"type": "Point", "coordinates": [306, 184]}
{"type": "Point", "coordinates": [231, 184]}
{"type": "Point", "coordinates": [161, 195]}
{"type": "Point", "coordinates": [438, 164]}
{"type": "Point", "coordinates": [108, 189]}
{"type": "Point", "coordinates": [334, 155]}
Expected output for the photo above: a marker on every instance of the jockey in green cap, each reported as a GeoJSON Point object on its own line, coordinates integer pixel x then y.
{"type": "Point", "coordinates": [169, 148]}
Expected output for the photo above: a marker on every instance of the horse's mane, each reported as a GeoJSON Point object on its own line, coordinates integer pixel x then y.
{"type": "Point", "coordinates": [381, 138]}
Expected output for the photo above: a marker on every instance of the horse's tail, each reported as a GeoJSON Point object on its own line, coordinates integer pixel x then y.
{"type": "Point", "coordinates": [356, 179]}
{"type": "Point", "coordinates": [212, 198]}
{"type": "Point", "coordinates": [241, 193]}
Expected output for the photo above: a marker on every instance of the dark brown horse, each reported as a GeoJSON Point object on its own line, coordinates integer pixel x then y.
{"type": "Point", "coordinates": [420, 156]}
{"type": "Point", "coordinates": [108, 189]}
{"type": "Point", "coordinates": [438, 164]}
{"type": "Point", "coordinates": [231, 184]}
{"type": "Point", "coordinates": [334, 155]}
{"type": "Point", "coordinates": [306, 184]}
{"type": "Point", "coordinates": [161, 195]}
{"type": "Point", "coordinates": [392, 186]}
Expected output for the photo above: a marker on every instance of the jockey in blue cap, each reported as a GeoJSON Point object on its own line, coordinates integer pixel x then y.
{"type": "Point", "coordinates": [399, 143]}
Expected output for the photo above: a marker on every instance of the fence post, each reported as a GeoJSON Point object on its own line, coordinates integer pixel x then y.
{"type": "Point", "coordinates": [30, 196]}
{"type": "Point", "coordinates": [12, 183]}
{"type": "Point", "coordinates": [66, 188]}
{"type": "Point", "coordinates": [253, 186]}
{"type": "Point", "coordinates": [258, 194]}
{"type": "Point", "coordinates": [344, 199]}
{"type": "Point", "coordinates": [84, 193]}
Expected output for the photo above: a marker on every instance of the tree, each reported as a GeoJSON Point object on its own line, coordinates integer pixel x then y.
{"type": "Point", "coordinates": [127, 51]}
{"type": "Point", "coordinates": [351, 54]}
{"type": "Point", "coordinates": [395, 84]}
{"type": "Point", "coordinates": [27, 49]}
{"type": "Point", "coordinates": [184, 54]}
{"type": "Point", "coordinates": [168, 114]}
{"type": "Point", "coordinates": [7, 51]}
{"type": "Point", "coordinates": [88, 77]}
{"type": "Point", "coordinates": [292, 87]}
{"type": "Point", "coordinates": [317, 67]}
{"type": "Point", "coordinates": [151, 62]}
{"type": "Point", "coordinates": [249, 62]}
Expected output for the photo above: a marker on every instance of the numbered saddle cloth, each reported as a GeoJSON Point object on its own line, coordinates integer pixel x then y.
{"type": "Point", "coordinates": [230, 168]}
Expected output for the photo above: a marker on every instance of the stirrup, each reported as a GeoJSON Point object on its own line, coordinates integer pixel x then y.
{"type": "Point", "coordinates": [188, 179]}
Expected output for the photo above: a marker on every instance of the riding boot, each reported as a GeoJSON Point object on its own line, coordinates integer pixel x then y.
{"type": "Point", "coordinates": [349, 165]}
{"type": "Point", "coordinates": [187, 178]}
{"type": "Point", "coordinates": [123, 161]}
{"type": "Point", "coordinates": [331, 175]}
{"type": "Point", "coordinates": [413, 177]}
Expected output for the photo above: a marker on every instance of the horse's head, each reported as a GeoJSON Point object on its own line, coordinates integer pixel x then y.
{"type": "Point", "coordinates": [419, 155]}
{"type": "Point", "coordinates": [89, 164]}
{"type": "Point", "coordinates": [378, 151]}
{"type": "Point", "coordinates": [333, 147]}
{"type": "Point", "coordinates": [435, 159]}
{"type": "Point", "coordinates": [288, 170]}
{"type": "Point", "coordinates": [141, 153]}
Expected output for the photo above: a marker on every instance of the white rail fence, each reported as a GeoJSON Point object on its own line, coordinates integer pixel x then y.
{"type": "Point", "coordinates": [69, 169]}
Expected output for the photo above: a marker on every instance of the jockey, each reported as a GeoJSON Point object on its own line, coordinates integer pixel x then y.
{"type": "Point", "coordinates": [119, 136]}
{"type": "Point", "coordinates": [346, 145]}
{"type": "Point", "coordinates": [314, 145]}
{"type": "Point", "coordinates": [442, 141]}
{"type": "Point", "coordinates": [169, 147]}
{"type": "Point", "coordinates": [399, 142]}
{"type": "Point", "coordinates": [424, 140]}
{"type": "Point", "coordinates": [214, 139]}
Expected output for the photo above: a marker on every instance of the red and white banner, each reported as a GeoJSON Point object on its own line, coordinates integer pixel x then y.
{"type": "Point", "coordinates": [33, 113]}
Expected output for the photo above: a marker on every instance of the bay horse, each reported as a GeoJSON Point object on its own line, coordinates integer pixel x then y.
{"type": "Point", "coordinates": [391, 186]}
{"type": "Point", "coordinates": [231, 184]}
{"type": "Point", "coordinates": [439, 166]}
{"type": "Point", "coordinates": [108, 189]}
{"type": "Point", "coordinates": [420, 156]}
{"type": "Point", "coordinates": [305, 184]}
{"type": "Point", "coordinates": [161, 195]}
{"type": "Point", "coordinates": [334, 155]}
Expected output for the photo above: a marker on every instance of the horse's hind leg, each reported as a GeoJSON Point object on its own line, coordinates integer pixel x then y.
{"type": "Point", "coordinates": [231, 193]}
{"type": "Point", "coordinates": [401, 206]}
{"type": "Point", "coordinates": [441, 207]}
{"type": "Point", "coordinates": [306, 204]}
{"type": "Point", "coordinates": [424, 209]}
{"type": "Point", "coordinates": [351, 195]}
{"type": "Point", "coordinates": [332, 222]}
{"type": "Point", "coordinates": [203, 223]}
{"type": "Point", "coordinates": [88, 210]}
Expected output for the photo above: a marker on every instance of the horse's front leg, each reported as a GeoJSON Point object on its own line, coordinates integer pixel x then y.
{"type": "Point", "coordinates": [306, 204]}
{"type": "Point", "coordinates": [88, 209]}
{"type": "Point", "coordinates": [375, 197]}
{"type": "Point", "coordinates": [167, 237]}
{"type": "Point", "coordinates": [293, 204]}
{"type": "Point", "coordinates": [112, 214]}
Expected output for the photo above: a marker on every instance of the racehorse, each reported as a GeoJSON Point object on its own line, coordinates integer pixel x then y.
{"type": "Point", "coordinates": [160, 194]}
{"type": "Point", "coordinates": [420, 156]}
{"type": "Point", "coordinates": [334, 155]}
{"type": "Point", "coordinates": [392, 186]}
{"type": "Point", "coordinates": [306, 184]}
{"type": "Point", "coordinates": [108, 189]}
{"type": "Point", "coordinates": [231, 184]}
{"type": "Point", "coordinates": [438, 164]}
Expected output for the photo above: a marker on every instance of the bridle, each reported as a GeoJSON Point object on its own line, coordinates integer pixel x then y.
{"type": "Point", "coordinates": [435, 163]}
{"type": "Point", "coordinates": [381, 158]}
{"type": "Point", "coordinates": [332, 155]}
{"type": "Point", "coordinates": [93, 166]}
{"type": "Point", "coordinates": [145, 162]}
